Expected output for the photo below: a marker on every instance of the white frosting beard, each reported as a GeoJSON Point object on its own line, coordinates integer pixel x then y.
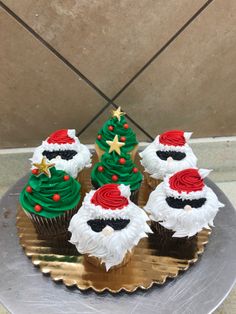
{"type": "Point", "coordinates": [72, 166]}
{"type": "Point", "coordinates": [158, 168]}
{"type": "Point", "coordinates": [183, 223]}
{"type": "Point", "coordinates": [109, 247]}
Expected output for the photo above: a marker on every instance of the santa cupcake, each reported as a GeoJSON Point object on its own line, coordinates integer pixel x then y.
{"type": "Point", "coordinates": [108, 226]}
{"type": "Point", "coordinates": [182, 205]}
{"type": "Point", "coordinates": [168, 153]}
{"type": "Point", "coordinates": [64, 149]}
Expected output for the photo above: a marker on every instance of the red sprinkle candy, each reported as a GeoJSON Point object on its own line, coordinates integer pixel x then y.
{"type": "Point", "coordinates": [114, 177]}
{"type": "Point", "coordinates": [110, 128]}
{"type": "Point", "coordinates": [56, 197]}
{"type": "Point", "coordinates": [123, 138]}
{"type": "Point", "coordinates": [100, 168]}
{"type": "Point", "coordinates": [66, 177]}
{"type": "Point", "coordinates": [37, 208]}
{"type": "Point", "coordinates": [122, 161]}
{"type": "Point", "coordinates": [35, 171]}
{"type": "Point", "coordinates": [135, 170]}
{"type": "Point", "coordinates": [126, 126]}
{"type": "Point", "coordinates": [99, 137]}
{"type": "Point", "coordinates": [29, 189]}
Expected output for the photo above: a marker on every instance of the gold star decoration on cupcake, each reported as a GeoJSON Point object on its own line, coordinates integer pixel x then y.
{"type": "Point", "coordinates": [117, 113]}
{"type": "Point", "coordinates": [44, 167]}
{"type": "Point", "coordinates": [115, 145]}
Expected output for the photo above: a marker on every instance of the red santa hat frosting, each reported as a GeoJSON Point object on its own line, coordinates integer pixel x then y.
{"type": "Point", "coordinates": [63, 136]}
{"type": "Point", "coordinates": [111, 196]}
{"type": "Point", "coordinates": [174, 139]}
{"type": "Point", "coordinates": [64, 139]}
{"type": "Point", "coordinates": [187, 183]}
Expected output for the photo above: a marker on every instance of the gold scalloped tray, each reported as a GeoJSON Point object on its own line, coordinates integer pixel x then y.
{"type": "Point", "coordinates": [154, 259]}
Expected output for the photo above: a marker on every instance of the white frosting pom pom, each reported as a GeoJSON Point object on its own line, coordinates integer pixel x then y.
{"type": "Point", "coordinates": [125, 190]}
{"type": "Point", "coordinates": [204, 172]}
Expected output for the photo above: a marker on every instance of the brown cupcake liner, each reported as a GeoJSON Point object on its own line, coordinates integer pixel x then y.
{"type": "Point", "coordinates": [133, 197]}
{"type": "Point", "coordinates": [82, 178]}
{"type": "Point", "coordinates": [167, 235]}
{"type": "Point", "coordinates": [52, 226]}
{"type": "Point", "coordinates": [100, 152]}
{"type": "Point", "coordinates": [95, 261]}
{"type": "Point", "coordinates": [151, 182]}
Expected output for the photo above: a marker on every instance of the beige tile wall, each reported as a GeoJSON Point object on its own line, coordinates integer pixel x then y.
{"type": "Point", "coordinates": [190, 85]}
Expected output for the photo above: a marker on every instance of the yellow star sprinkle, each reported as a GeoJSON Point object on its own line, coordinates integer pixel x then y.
{"type": "Point", "coordinates": [115, 145]}
{"type": "Point", "coordinates": [117, 113]}
{"type": "Point", "coordinates": [43, 167]}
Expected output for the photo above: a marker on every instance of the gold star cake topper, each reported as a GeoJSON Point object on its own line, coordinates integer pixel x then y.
{"type": "Point", "coordinates": [115, 145]}
{"type": "Point", "coordinates": [117, 113]}
{"type": "Point", "coordinates": [44, 167]}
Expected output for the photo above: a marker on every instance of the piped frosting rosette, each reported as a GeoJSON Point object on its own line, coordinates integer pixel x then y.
{"type": "Point", "coordinates": [65, 150]}
{"type": "Point", "coordinates": [108, 224]}
{"type": "Point", "coordinates": [183, 203]}
{"type": "Point", "coordinates": [167, 154]}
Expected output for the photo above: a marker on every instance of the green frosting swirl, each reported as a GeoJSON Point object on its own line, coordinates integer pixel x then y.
{"type": "Point", "coordinates": [43, 189]}
{"type": "Point", "coordinates": [111, 166]}
{"type": "Point", "coordinates": [119, 129]}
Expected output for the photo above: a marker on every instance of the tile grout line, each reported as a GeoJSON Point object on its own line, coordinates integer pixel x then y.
{"type": "Point", "coordinates": [142, 69]}
{"type": "Point", "coordinates": [71, 66]}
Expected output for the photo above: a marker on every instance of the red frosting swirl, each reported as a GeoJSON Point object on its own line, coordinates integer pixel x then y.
{"type": "Point", "coordinates": [60, 137]}
{"type": "Point", "coordinates": [188, 180]}
{"type": "Point", "coordinates": [174, 138]}
{"type": "Point", "coordinates": [109, 197]}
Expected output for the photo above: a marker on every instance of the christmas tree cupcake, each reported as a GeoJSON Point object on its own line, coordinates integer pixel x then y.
{"type": "Point", "coordinates": [117, 167]}
{"type": "Point", "coordinates": [168, 153]}
{"type": "Point", "coordinates": [108, 226]}
{"type": "Point", "coordinates": [182, 205]}
{"type": "Point", "coordinates": [50, 198]}
{"type": "Point", "coordinates": [116, 125]}
{"type": "Point", "coordinates": [64, 149]}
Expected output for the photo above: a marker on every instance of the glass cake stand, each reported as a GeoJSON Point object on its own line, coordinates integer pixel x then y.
{"type": "Point", "coordinates": [201, 289]}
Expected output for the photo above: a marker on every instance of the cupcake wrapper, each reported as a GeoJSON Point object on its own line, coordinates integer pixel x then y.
{"type": "Point", "coordinates": [133, 152]}
{"type": "Point", "coordinates": [52, 226]}
{"type": "Point", "coordinates": [82, 178]}
{"type": "Point", "coordinates": [167, 235]}
{"type": "Point", "coordinates": [151, 182]}
{"type": "Point", "coordinates": [100, 152]}
{"type": "Point", "coordinates": [133, 197]}
{"type": "Point", "coordinates": [95, 261]}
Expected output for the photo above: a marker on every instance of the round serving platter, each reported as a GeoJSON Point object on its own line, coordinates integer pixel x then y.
{"type": "Point", "coordinates": [153, 261]}
{"type": "Point", "coordinates": [200, 290]}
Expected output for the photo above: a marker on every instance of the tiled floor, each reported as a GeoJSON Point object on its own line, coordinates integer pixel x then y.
{"type": "Point", "coordinates": [229, 188]}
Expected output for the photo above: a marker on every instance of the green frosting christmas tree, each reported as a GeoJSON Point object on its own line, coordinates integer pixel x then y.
{"type": "Point", "coordinates": [117, 125]}
{"type": "Point", "coordinates": [49, 192]}
{"type": "Point", "coordinates": [116, 168]}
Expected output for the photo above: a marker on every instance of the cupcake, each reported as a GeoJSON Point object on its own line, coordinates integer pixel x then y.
{"type": "Point", "coordinates": [167, 154]}
{"type": "Point", "coordinates": [182, 205]}
{"type": "Point", "coordinates": [50, 198]}
{"type": "Point", "coordinates": [117, 167]}
{"type": "Point", "coordinates": [108, 226]}
{"type": "Point", "coordinates": [116, 125]}
{"type": "Point", "coordinates": [64, 149]}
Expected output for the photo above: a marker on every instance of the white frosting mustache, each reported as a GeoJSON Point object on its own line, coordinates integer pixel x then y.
{"type": "Point", "coordinates": [72, 166]}
{"type": "Point", "coordinates": [158, 168]}
{"type": "Point", "coordinates": [108, 245]}
{"type": "Point", "coordinates": [183, 221]}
